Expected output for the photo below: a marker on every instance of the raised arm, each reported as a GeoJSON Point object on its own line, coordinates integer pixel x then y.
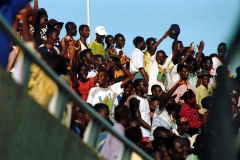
{"type": "Point", "coordinates": [191, 48]}
{"type": "Point", "coordinates": [144, 74]}
{"type": "Point", "coordinates": [160, 40]}
{"type": "Point", "coordinates": [175, 48]}
{"type": "Point", "coordinates": [165, 98]}
{"type": "Point", "coordinates": [35, 12]}
{"type": "Point", "coordinates": [128, 76]}
{"type": "Point", "coordinates": [200, 49]}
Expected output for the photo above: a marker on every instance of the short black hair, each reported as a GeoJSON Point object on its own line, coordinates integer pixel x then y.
{"type": "Point", "coordinates": [121, 112]}
{"type": "Point", "coordinates": [155, 86]}
{"type": "Point", "coordinates": [159, 141]}
{"type": "Point", "coordinates": [106, 39]}
{"type": "Point", "coordinates": [180, 67]}
{"type": "Point", "coordinates": [159, 130]}
{"type": "Point", "coordinates": [134, 134]}
{"type": "Point", "coordinates": [154, 98]}
{"type": "Point", "coordinates": [177, 42]}
{"type": "Point", "coordinates": [50, 31]}
{"type": "Point", "coordinates": [137, 82]}
{"type": "Point", "coordinates": [222, 44]}
{"type": "Point", "coordinates": [84, 53]}
{"type": "Point", "coordinates": [161, 51]}
{"type": "Point", "coordinates": [206, 58]}
{"type": "Point", "coordinates": [150, 39]}
{"type": "Point", "coordinates": [118, 35]}
{"type": "Point", "coordinates": [96, 56]}
{"type": "Point", "coordinates": [105, 72]}
{"type": "Point", "coordinates": [206, 102]}
{"type": "Point", "coordinates": [81, 27]}
{"type": "Point", "coordinates": [190, 59]}
{"type": "Point", "coordinates": [189, 94]}
{"type": "Point", "coordinates": [137, 40]}
{"type": "Point", "coordinates": [69, 25]}
{"type": "Point", "coordinates": [81, 65]}
{"type": "Point", "coordinates": [99, 107]}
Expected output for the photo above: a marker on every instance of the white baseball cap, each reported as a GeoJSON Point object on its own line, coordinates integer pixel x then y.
{"type": "Point", "coordinates": [101, 30]}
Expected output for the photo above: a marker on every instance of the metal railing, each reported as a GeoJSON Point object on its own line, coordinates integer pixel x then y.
{"type": "Point", "coordinates": [65, 94]}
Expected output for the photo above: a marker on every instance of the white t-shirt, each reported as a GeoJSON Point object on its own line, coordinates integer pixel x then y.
{"type": "Point", "coordinates": [137, 61]}
{"type": "Point", "coordinates": [153, 73]}
{"type": "Point", "coordinates": [145, 114]}
{"type": "Point", "coordinates": [105, 95]}
{"type": "Point", "coordinates": [162, 119]}
{"type": "Point", "coordinates": [83, 47]}
{"type": "Point", "coordinates": [174, 76]}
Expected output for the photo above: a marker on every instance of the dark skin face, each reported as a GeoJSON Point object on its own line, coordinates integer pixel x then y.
{"type": "Point", "coordinates": [99, 38]}
{"type": "Point", "coordinates": [74, 30]}
{"type": "Point", "coordinates": [83, 72]}
{"type": "Point", "coordinates": [154, 103]}
{"type": "Point", "coordinates": [222, 49]}
{"type": "Point", "coordinates": [128, 90]}
{"type": "Point", "coordinates": [179, 150]}
{"type": "Point", "coordinates": [184, 73]}
{"type": "Point", "coordinates": [180, 48]}
{"type": "Point", "coordinates": [58, 27]}
{"type": "Point", "coordinates": [192, 66]}
{"type": "Point", "coordinates": [184, 127]}
{"type": "Point", "coordinates": [105, 114]}
{"type": "Point", "coordinates": [89, 58]}
{"type": "Point", "coordinates": [85, 32]}
{"type": "Point", "coordinates": [205, 81]}
{"type": "Point", "coordinates": [43, 21]}
{"type": "Point", "coordinates": [157, 92]}
{"type": "Point", "coordinates": [208, 64]}
{"type": "Point", "coordinates": [120, 42]}
{"type": "Point", "coordinates": [192, 102]}
{"type": "Point", "coordinates": [160, 57]}
{"type": "Point", "coordinates": [143, 86]}
{"type": "Point", "coordinates": [110, 41]}
{"type": "Point", "coordinates": [142, 45]}
{"type": "Point", "coordinates": [149, 46]}
{"type": "Point", "coordinates": [102, 79]}
{"type": "Point", "coordinates": [99, 61]}
{"type": "Point", "coordinates": [54, 37]}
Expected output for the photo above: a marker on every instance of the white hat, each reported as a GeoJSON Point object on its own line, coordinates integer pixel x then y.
{"type": "Point", "coordinates": [101, 30]}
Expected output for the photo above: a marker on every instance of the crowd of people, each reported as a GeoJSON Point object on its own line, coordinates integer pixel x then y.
{"type": "Point", "coordinates": [160, 102]}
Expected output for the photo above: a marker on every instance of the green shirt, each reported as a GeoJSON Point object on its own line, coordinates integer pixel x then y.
{"type": "Point", "coordinates": [97, 48]}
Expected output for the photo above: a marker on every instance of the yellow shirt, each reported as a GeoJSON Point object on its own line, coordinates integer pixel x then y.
{"type": "Point", "coordinates": [202, 92]}
{"type": "Point", "coordinates": [97, 48]}
{"type": "Point", "coordinates": [147, 61]}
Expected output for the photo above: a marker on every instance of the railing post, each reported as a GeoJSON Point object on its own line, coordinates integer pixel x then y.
{"type": "Point", "coordinates": [92, 133]}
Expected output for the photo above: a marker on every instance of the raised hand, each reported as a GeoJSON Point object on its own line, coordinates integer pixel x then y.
{"type": "Point", "coordinates": [166, 34]}
{"type": "Point", "coordinates": [201, 46]}
{"type": "Point", "coordinates": [191, 48]}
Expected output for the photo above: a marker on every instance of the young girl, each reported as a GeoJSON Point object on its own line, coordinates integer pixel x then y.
{"type": "Point", "coordinates": [189, 110]}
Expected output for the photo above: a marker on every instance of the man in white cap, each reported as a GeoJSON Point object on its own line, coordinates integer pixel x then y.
{"type": "Point", "coordinates": [97, 45]}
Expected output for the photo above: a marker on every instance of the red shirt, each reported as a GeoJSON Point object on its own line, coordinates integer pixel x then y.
{"type": "Point", "coordinates": [84, 87]}
{"type": "Point", "coordinates": [192, 116]}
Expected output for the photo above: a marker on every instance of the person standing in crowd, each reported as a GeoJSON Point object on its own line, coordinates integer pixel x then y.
{"type": "Point", "coordinates": [52, 23]}
{"type": "Point", "coordinates": [182, 128]}
{"type": "Point", "coordinates": [71, 30]}
{"type": "Point", "coordinates": [40, 24]}
{"type": "Point", "coordinates": [87, 57]}
{"type": "Point", "coordinates": [109, 50]}
{"type": "Point", "coordinates": [189, 110]}
{"type": "Point", "coordinates": [139, 106]}
{"type": "Point", "coordinates": [219, 59]}
{"type": "Point", "coordinates": [203, 90]}
{"type": "Point", "coordinates": [104, 93]}
{"type": "Point", "coordinates": [113, 146]}
{"type": "Point", "coordinates": [183, 73]}
{"type": "Point", "coordinates": [84, 32]}
{"type": "Point", "coordinates": [192, 74]}
{"type": "Point", "coordinates": [82, 84]}
{"type": "Point", "coordinates": [137, 59]}
{"type": "Point", "coordinates": [97, 46]}
{"type": "Point", "coordinates": [52, 38]}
